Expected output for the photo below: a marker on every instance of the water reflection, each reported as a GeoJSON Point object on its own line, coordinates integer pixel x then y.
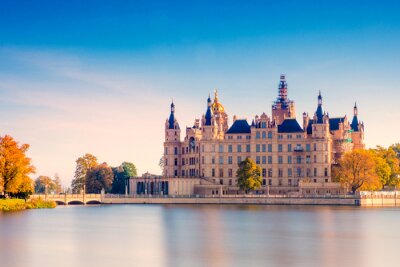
{"type": "Point", "coordinates": [205, 235]}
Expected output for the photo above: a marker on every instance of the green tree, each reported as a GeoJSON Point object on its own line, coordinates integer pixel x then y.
{"type": "Point", "coordinates": [248, 175]}
{"type": "Point", "coordinates": [98, 178]}
{"type": "Point", "coordinates": [83, 164]}
{"type": "Point", "coordinates": [357, 171]}
{"type": "Point", "coordinates": [15, 167]}
{"type": "Point", "coordinates": [389, 156]}
{"type": "Point", "coordinates": [121, 174]}
{"type": "Point", "coordinates": [44, 184]}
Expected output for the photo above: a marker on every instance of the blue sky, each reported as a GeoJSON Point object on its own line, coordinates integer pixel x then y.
{"type": "Point", "coordinates": [98, 76]}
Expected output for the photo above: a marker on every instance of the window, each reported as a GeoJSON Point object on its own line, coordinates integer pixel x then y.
{"type": "Point", "coordinates": [264, 182]}
{"type": "Point", "coordinates": [239, 148]}
{"type": "Point", "coordinates": [315, 147]}
{"type": "Point", "coordinates": [290, 182]}
{"type": "Point", "coordinates": [239, 159]}
{"type": "Point", "coordinates": [221, 173]}
{"type": "Point", "coordinates": [264, 148]}
{"type": "Point", "coordinates": [326, 172]}
{"type": "Point", "coordinates": [264, 135]}
{"type": "Point", "coordinates": [221, 181]}
{"type": "Point", "coordinates": [280, 160]}
{"type": "Point", "coordinates": [248, 137]}
{"type": "Point", "coordinates": [183, 161]}
{"type": "Point", "coordinates": [176, 162]}
{"type": "Point", "coordinates": [269, 135]}
{"type": "Point", "coordinates": [239, 137]}
{"type": "Point", "coordinates": [230, 160]}
{"type": "Point", "coordinates": [280, 172]}
{"type": "Point", "coordinates": [202, 160]}
{"type": "Point", "coordinates": [221, 148]}
{"type": "Point", "coordinates": [280, 148]}
{"type": "Point", "coordinates": [308, 147]}
{"type": "Point", "coordinates": [183, 173]}
{"type": "Point", "coordinates": [289, 172]}
{"type": "Point", "coordinates": [269, 181]}
{"type": "Point", "coordinates": [258, 160]}
{"type": "Point", "coordinates": [280, 182]}
{"type": "Point", "coordinates": [258, 148]}
{"type": "Point", "coordinates": [176, 172]}
{"type": "Point", "coordinates": [213, 172]}
{"type": "Point", "coordinates": [289, 159]}
{"type": "Point", "coordinates": [166, 151]}
{"type": "Point", "coordinates": [212, 160]}
{"type": "Point", "coordinates": [248, 148]}
{"type": "Point", "coordinates": [230, 148]}
{"type": "Point", "coordinates": [289, 147]}
{"type": "Point", "coordinates": [270, 172]}
{"type": "Point", "coordinates": [230, 180]}
{"type": "Point", "coordinates": [315, 171]}
{"type": "Point", "coordinates": [263, 125]}
{"type": "Point", "coordinates": [315, 158]}
{"type": "Point", "coordinates": [298, 136]}
{"type": "Point", "coordinates": [280, 136]}
{"type": "Point", "coordinates": [264, 160]}
{"type": "Point", "coordinates": [289, 136]}
{"type": "Point", "coordinates": [230, 175]}
{"type": "Point", "coordinates": [298, 172]}
{"type": "Point", "coordinates": [308, 172]}
{"type": "Point", "coordinates": [264, 172]}
{"type": "Point", "coordinates": [298, 159]}
{"type": "Point", "coordinates": [269, 147]}
{"type": "Point", "coordinates": [257, 135]}
{"type": "Point", "coordinates": [202, 148]}
{"type": "Point", "coordinates": [269, 159]}
{"type": "Point", "coordinates": [308, 159]}
{"type": "Point", "coordinates": [221, 160]}
{"type": "Point", "coordinates": [175, 151]}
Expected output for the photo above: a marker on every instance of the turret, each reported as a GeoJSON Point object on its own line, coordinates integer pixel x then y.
{"type": "Point", "coordinates": [209, 127]}
{"type": "Point", "coordinates": [172, 145]}
{"type": "Point", "coordinates": [320, 121]}
{"type": "Point", "coordinates": [357, 130]}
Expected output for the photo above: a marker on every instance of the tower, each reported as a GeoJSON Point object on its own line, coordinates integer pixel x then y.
{"type": "Point", "coordinates": [172, 145]}
{"type": "Point", "coordinates": [220, 116]}
{"type": "Point", "coordinates": [357, 130]}
{"type": "Point", "coordinates": [283, 107]}
{"type": "Point", "coordinates": [209, 126]}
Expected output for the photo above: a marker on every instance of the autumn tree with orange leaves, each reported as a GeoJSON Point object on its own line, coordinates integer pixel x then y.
{"type": "Point", "coordinates": [15, 168]}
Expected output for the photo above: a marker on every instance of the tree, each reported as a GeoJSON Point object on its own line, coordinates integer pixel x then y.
{"type": "Point", "coordinates": [98, 178]}
{"type": "Point", "coordinates": [121, 174]}
{"type": "Point", "coordinates": [391, 157]}
{"type": "Point", "coordinates": [15, 166]}
{"type": "Point", "coordinates": [357, 170]}
{"type": "Point", "coordinates": [44, 184]}
{"type": "Point", "coordinates": [248, 175]}
{"type": "Point", "coordinates": [57, 184]}
{"type": "Point", "coordinates": [83, 164]}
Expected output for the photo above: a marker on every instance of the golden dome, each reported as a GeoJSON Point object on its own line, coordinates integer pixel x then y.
{"type": "Point", "coordinates": [216, 105]}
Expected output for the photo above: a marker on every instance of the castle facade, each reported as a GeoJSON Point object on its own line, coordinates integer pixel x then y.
{"type": "Point", "coordinates": [293, 156]}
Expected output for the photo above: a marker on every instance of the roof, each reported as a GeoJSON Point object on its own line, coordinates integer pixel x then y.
{"type": "Point", "coordinates": [239, 126]}
{"type": "Point", "coordinates": [290, 126]}
{"type": "Point", "coordinates": [354, 124]}
{"type": "Point", "coordinates": [333, 124]}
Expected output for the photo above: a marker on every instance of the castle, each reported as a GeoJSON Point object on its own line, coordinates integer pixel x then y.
{"type": "Point", "coordinates": [294, 158]}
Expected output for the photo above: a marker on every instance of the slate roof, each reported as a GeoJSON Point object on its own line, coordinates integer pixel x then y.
{"type": "Point", "coordinates": [239, 126]}
{"type": "Point", "coordinates": [290, 126]}
{"type": "Point", "coordinates": [333, 124]}
{"type": "Point", "coordinates": [354, 124]}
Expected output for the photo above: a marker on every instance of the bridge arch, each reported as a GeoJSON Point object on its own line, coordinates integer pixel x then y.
{"type": "Point", "coordinates": [93, 202]}
{"type": "Point", "coordinates": [75, 202]}
{"type": "Point", "coordinates": [58, 202]}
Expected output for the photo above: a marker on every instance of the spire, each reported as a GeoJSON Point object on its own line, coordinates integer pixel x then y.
{"type": "Point", "coordinates": [171, 120]}
{"type": "Point", "coordinates": [319, 113]}
{"type": "Point", "coordinates": [209, 112]}
{"type": "Point", "coordinates": [282, 89]}
{"type": "Point", "coordinates": [354, 123]}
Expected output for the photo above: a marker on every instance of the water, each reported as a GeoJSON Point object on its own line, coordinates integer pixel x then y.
{"type": "Point", "coordinates": [204, 235]}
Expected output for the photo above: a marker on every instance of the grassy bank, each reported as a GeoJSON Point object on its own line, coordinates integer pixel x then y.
{"type": "Point", "coordinates": [20, 204]}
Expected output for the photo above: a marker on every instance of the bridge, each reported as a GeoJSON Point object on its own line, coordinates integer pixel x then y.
{"type": "Point", "coordinates": [71, 199]}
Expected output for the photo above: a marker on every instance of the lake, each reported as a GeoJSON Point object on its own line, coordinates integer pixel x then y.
{"type": "Point", "coordinates": [202, 235]}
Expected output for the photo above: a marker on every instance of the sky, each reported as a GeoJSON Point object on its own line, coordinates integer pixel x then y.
{"type": "Point", "coordinates": [98, 76]}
